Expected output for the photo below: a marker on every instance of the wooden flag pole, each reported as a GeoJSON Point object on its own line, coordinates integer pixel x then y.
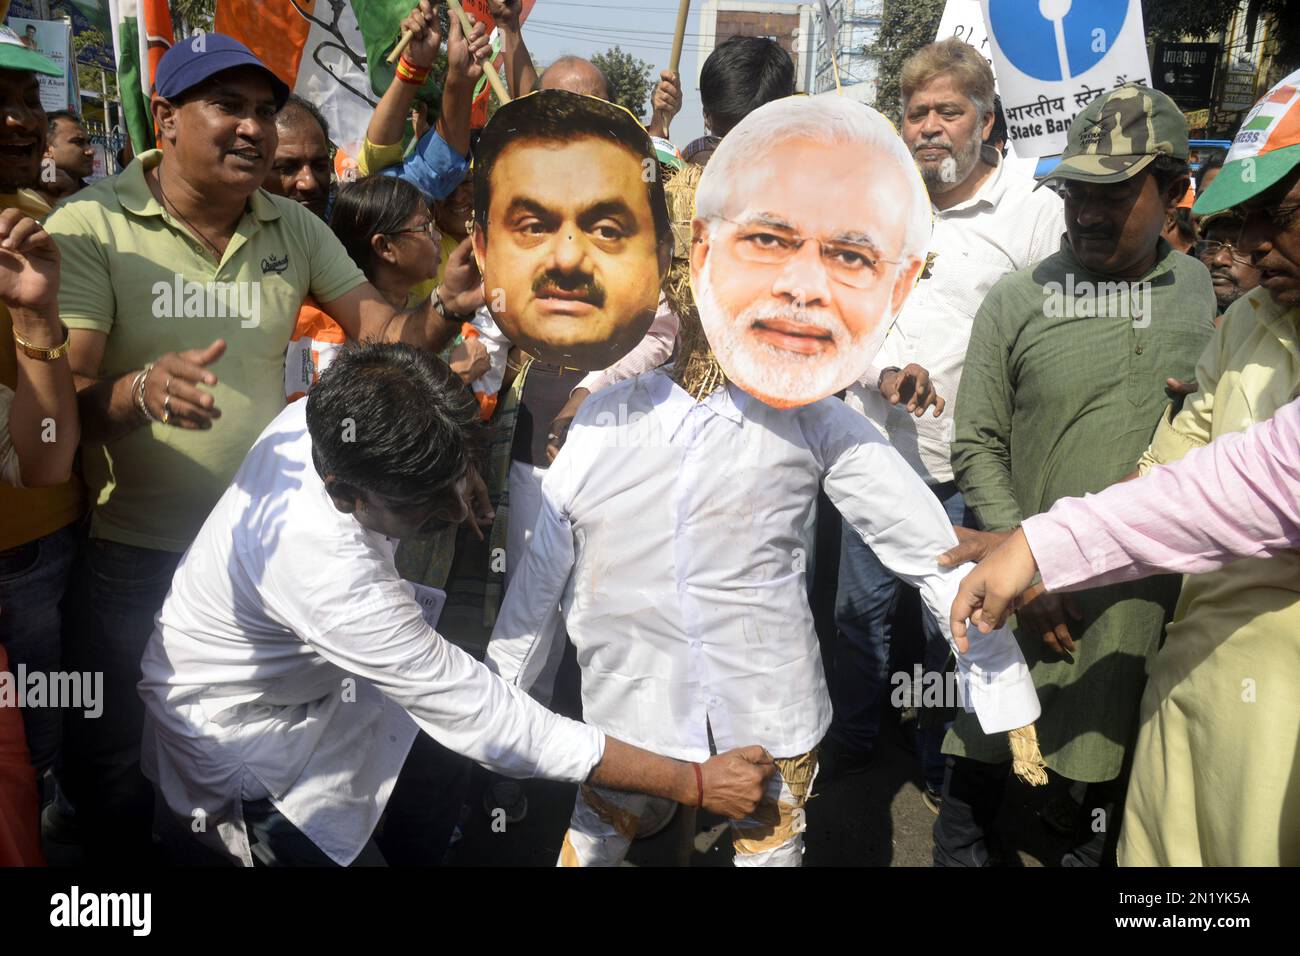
{"type": "Point", "coordinates": [493, 77]}
{"type": "Point", "coordinates": [835, 70]}
{"type": "Point", "coordinates": [683, 14]}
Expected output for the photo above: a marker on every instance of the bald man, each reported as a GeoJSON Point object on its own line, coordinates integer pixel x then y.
{"type": "Point", "coordinates": [301, 170]}
{"type": "Point", "coordinates": [576, 75]}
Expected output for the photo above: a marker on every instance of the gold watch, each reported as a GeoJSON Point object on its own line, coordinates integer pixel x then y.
{"type": "Point", "coordinates": [39, 352]}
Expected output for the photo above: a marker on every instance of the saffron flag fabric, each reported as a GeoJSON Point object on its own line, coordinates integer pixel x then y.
{"type": "Point", "coordinates": [478, 9]}
{"type": "Point", "coordinates": [331, 52]}
{"type": "Point", "coordinates": [142, 33]}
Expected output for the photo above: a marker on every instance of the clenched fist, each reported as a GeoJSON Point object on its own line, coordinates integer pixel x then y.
{"type": "Point", "coordinates": [734, 782]}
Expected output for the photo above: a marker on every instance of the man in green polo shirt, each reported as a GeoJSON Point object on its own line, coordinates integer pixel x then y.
{"type": "Point", "coordinates": [1064, 381]}
{"type": "Point", "coordinates": [182, 280]}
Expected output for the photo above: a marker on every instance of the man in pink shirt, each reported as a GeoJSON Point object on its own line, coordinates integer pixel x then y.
{"type": "Point", "coordinates": [1237, 497]}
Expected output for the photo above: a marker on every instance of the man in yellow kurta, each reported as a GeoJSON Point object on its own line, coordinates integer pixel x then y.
{"type": "Point", "coordinates": [1216, 779]}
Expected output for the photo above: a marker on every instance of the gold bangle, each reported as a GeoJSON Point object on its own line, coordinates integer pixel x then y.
{"type": "Point", "coordinates": [39, 352]}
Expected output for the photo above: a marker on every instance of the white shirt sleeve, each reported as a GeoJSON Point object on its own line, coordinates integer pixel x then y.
{"type": "Point", "coordinates": [354, 611]}
{"type": "Point", "coordinates": [526, 625]}
{"type": "Point", "coordinates": [651, 352]}
{"type": "Point", "coordinates": [885, 501]}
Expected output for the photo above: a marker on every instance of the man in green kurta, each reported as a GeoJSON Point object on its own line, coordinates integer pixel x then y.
{"type": "Point", "coordinates": [1064, 383]}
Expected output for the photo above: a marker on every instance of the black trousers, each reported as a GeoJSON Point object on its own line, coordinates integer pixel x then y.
{"type": "Point", "coordinates": [972, 798]}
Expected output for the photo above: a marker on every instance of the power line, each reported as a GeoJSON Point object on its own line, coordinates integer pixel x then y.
{"type": "Point", "coordinates": [584, 26]}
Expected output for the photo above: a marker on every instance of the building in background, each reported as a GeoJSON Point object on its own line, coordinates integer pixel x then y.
{"type": "Point", "coordinates": [857, 27]}
{"type": "Point", "coordinates": [789, 24]}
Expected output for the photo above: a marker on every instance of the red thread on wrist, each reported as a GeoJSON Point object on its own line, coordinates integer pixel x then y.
{"type": "Point", "coordinates": [699, 787]}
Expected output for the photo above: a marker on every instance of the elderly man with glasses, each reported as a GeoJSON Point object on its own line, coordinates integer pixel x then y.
{"type": "Point", "coordinates": [1231, 271]}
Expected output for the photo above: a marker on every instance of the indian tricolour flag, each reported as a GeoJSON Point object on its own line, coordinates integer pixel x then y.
{"type": "Point", "coordinates": [142, 33]}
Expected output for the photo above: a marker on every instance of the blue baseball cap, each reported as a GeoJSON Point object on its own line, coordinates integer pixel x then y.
{"type": "Point", "coordinates": [194, 59]}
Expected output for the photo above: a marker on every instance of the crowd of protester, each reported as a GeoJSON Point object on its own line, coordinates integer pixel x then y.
{"type": "Point", "coordinates": [150, 522]}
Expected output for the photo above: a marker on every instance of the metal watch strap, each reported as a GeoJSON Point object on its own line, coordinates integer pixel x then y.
{"type": "Point", "coordinates": [39, 352]}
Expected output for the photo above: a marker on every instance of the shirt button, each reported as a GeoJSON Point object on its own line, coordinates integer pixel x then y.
{"type": "Point", "coordinates": [696, 644]}
{"type": "Point", "coordinates": [1139, 350]}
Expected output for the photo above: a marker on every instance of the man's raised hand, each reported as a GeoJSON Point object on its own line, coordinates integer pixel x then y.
{"type": "Point", "coordinates": [465, 55]}
{"type": "Point", "coordinates": [426, 36]}
{"type": "Point", "coordinates": [506, 13]}
{"type": "Point", "coordinates": [29, 264]}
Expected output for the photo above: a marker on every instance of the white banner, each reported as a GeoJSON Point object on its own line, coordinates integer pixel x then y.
{"type": "Point", "coordinates": [1053, 57]}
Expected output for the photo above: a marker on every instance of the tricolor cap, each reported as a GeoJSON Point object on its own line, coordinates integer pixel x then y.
{"type": "Point", "coordinates": [195, 59]}
{"type": "Point", "coordinates": [1265, 149]}
{"type": "Point", "coordinates": [1119, 134]}
{"type": "Point", "coordinates": [16, 55]}
{"type": "Point", "coordinates": [667, 154]}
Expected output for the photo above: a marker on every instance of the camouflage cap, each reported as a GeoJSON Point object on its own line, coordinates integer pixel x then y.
{"type": "Point", "coordinates": [1118, 135]}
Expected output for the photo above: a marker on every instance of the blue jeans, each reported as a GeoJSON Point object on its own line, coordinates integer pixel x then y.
{"type": "Point", "coordinates": [33, 577]}
{"type": "Point", "coordinates": [116, 591]}
{"type": "Point", "coordinates": [864, 604]}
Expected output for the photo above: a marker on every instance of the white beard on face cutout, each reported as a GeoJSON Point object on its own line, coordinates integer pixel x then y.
{"type": "Point", "coordinates": [776, 376]}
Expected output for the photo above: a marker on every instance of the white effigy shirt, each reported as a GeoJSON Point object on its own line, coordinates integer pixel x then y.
{"type": "Point", "coordinates": [673, 534]}
{"type": "Point", "coordinates": [289, 659]}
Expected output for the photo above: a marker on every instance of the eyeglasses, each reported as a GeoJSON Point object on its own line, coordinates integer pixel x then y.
{"type": "Point", "coordinates": [1210, 249]}
{"type": "Point", "coordinates": [853, 264]}
{"type": "Point", "coordinates": [428, 229]}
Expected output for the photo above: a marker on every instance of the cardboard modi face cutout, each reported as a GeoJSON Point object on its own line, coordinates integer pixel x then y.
{"type": "Point", "coordinates": [570, 229]}
{"type": "Point", "coordinates": [811, 225]}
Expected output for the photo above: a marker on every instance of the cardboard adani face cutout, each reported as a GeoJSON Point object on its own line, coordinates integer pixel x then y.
{"type": "Point", "coordinates": [811, 225]}
{"type": "Point", "coordinates": [570, 230]}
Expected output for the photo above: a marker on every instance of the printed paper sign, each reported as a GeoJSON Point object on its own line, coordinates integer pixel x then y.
{"type": "Point", "coordinates": [431, 602]}
{"type": "Point", "coordinates": [51, 39]}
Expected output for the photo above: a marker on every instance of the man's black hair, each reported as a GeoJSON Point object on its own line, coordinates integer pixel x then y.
{"type": "Point", "coordinates": [394, 421]}
{"type": "Point", "coordinates": [296, 102]}
{"type": "Point", "coordinates": [998, 134]}
{"type": "Point", "coordinates": [372, 206]}
{"type": "Point", "coordinates": [740, 75]}
{"type": "Point", "coordinates": [1167, 170]}
{"type": "Point", "coordinates": [52, 120]}
{"type": "Point", "coordinates": [558, 116]}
